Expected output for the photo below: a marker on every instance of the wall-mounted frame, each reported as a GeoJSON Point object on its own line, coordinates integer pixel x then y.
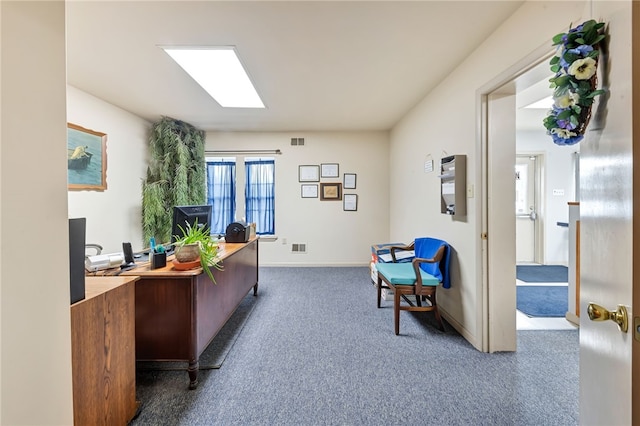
{"type": "Point", "coordinates": [350, 203]}
{"type": "Point", "coordinates": [330, 191]}
{"type": "Point", "coordinates": [349, 181]}
{"type": "Point", "coordinates": [309, 191]}
{"type": "Point", "coordinates": [329, 170]}
{"type": "Point", "coordinates": [86, 159]}
{"type": "Point", "coordinates": [309, 173]}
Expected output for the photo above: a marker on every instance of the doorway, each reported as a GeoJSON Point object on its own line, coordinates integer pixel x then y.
{"type": "Point", "coordinates": [501, 100]}
{"type": "Point", "coordinates": [528, 181]}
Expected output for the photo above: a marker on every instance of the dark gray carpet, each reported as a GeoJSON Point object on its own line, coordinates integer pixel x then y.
{"type": "Point", "coordinates": [542, 273]}
{"type": "Point", "coordinates": [543, 300]}
{"type": "Point", "coordinates": [315, 350]}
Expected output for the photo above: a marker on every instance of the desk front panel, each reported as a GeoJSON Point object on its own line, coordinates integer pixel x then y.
{"type": "Point", "coordinates": [216, 303]}
{"type": "Point", "coordinates": [178, 315]}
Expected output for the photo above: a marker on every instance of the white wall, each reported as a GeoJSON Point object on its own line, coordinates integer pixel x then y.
{"type": "Point", "coordinates": [113, 216]}
{"type": "Point", "coordinates": [35, 364]}
{"type": "Point", "coordinates": [447, 122]}
{"type": "Point", "coordinates": [333, 236]}
{"type": "Point", "coordinates": [558, 174]}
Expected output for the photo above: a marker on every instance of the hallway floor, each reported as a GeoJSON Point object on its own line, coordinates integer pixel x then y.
{"type": "Point", "coordinates": [524, 322]}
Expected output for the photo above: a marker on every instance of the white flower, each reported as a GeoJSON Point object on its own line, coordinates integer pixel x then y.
{"type": "Point", "coordinates": [564, 101]}
{"type": "Point", "coordinates": [583, 69]}
{"type": "Point", "coordinates": [575, 97]}
{"type": "Point", "coordinates": [563, 133]}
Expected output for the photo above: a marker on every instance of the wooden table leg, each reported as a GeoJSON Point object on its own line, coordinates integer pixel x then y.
{"type": "Point", "coordinates": [194, 367]}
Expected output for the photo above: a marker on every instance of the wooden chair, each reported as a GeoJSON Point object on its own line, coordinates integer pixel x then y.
{"type": "Point", "coordinates": [420, 278]}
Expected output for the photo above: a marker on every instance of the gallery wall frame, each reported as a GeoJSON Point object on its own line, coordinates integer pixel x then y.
{"type": "Point", "coordinates": [349, 181]}
{"type": "Point", "coordinates": [330, 191]}
{"type": "Point", "coordinates": [350, 202]}
{"type": "Point", "coordinates": [309, 173]}
{"type": "Point", "coordinates": [309, 190]}
{"type": "Point", "coordinates": [86, 159]}
{"type": "Point", "coordinates": [329, 170]}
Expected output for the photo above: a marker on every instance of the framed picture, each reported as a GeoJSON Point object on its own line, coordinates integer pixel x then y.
{"type": "Point", "coordinates": [349, 181]}
{"type": "Point", "coordinates": [331, 191]}
{"type": "Point", "coordinates": [309, 173]}
{"type": "Point", "coordinates": [350, 202]}
{"type": "Point", "coordinates": [86, 159]}
{"type": "Point", "coordinates": [309, 191]}
{"type": "Point", "coordinates": [329, 170]}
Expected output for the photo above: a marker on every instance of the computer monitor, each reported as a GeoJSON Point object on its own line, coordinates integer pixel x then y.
{"type": "Point", "coordinates": [183, 215]}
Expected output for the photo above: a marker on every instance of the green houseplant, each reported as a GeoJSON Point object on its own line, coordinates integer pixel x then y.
{"type": "Point", "coordinates": [206, 247]}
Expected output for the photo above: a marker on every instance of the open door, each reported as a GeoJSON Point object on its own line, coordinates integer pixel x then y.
{"type": "Point", "coordinates": [609, 225]}
{"type": "Point", "coordinates": [610, 231]}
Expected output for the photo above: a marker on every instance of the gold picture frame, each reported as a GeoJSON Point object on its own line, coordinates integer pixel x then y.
{"type": "Point", "coordinates": [86, 159]}
{"type": "Point", "coordinates": [330, 191]}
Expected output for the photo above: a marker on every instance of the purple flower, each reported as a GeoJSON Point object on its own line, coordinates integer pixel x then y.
{"type": "Point", "coordinates": [578, 28]}
{"type": "Point", "coordinates": [582, 50]}
{"type": "Point", "coordinates": [566, 124]}
{"type": "Point", "coordinates": [559, 140]}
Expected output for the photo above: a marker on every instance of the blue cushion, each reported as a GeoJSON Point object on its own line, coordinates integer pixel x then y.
{"type": "Point", "coordinates": [404, 274]}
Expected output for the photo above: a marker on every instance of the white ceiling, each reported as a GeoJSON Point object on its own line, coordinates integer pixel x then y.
{"type": "Point", "coordinates": [323, 65]}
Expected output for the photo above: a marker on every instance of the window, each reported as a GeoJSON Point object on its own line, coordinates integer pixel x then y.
{"type": "Point", "coordinates": [258, 203]}
{"type": "Point", "coordinates": [260, 194]}
{"type": "Point", "coordinates": [221, 193]}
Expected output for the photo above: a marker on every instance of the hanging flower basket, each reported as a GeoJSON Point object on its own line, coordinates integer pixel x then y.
{"type": "Point", "coordinates": [575, 82]}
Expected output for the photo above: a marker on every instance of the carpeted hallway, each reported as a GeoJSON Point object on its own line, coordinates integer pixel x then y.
{"type": "Point", "coordinates": [313, 349]}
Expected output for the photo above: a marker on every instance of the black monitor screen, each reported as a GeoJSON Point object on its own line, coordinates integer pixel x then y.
{"type": "Point", "coordinates": [183, 215]}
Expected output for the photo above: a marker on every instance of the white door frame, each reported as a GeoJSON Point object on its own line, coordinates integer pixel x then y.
{"type": "Point", "coordinates": [497, 237]}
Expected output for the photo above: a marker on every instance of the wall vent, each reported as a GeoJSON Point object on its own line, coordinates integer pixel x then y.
{"type": "Point", "coordinates": [298, 248]}
{"type": "Point", "coordinates": [297, 141]}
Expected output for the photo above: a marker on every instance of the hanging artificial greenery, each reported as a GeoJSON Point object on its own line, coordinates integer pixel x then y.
{"type": "Point", "coordinates": [575, 83]}
{"type": "Point", "coordinates": [175, 176]}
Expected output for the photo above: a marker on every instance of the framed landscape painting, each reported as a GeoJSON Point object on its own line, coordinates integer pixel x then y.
{"type": "Point", "coordinates": [86, 159]}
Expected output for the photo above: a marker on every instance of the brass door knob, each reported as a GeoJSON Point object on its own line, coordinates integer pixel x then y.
{"type": "Point", "coordinates": [620, 317]}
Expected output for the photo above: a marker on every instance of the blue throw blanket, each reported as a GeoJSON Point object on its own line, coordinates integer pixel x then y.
{"type": "Point", "coordinates": [426, 248]}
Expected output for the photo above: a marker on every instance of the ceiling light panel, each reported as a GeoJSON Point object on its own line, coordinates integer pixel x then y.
{"type": "Point", "coordinates": [219, 71]}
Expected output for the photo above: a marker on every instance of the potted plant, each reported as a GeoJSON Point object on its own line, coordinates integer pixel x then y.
{"type": "Point", "coordinates": [196, 241]}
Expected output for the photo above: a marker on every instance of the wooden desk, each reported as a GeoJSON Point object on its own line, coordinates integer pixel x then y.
{"type": "Point", "coordinates": [178, 313]}
{"type": "Point", "coordinates": [103, 352]}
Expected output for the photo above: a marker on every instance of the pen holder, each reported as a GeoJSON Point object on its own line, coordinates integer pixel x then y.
{"type": "Point", "coordinates": [158, 260]}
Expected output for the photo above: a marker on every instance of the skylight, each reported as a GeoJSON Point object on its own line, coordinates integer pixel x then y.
{"type": "Point", "coordinates": [219, 71]}
{"type": "Point", "coordinates": [545, 103]}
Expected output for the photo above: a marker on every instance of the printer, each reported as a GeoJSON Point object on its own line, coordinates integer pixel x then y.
{"type": "Point", "coordinates": [237, 232]}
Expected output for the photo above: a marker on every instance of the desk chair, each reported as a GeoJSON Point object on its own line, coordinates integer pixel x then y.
{"type": "Point", "coordinates": [420, 278]}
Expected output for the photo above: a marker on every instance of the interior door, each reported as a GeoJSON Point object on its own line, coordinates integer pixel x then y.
{"type": "Point", "coordinates": [526, 208]}
{"type": "Point", "coordinates": [606, 261]}
{"type": "Point", "coordinates": [608, 254]}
